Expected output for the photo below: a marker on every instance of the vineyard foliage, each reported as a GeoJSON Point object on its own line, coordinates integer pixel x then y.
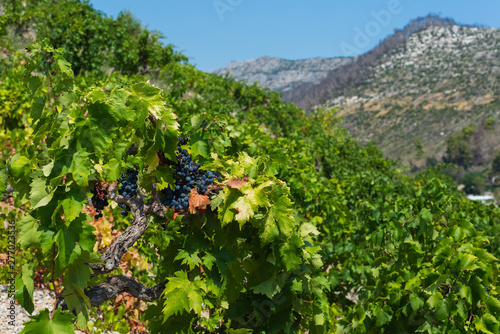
{"type": "Point", "coordinates": [305, 231]}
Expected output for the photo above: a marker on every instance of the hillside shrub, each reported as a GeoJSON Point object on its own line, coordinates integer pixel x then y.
{"type": "Point", "coordinates": [474, 182]}
{"type": "Point", "coordinates": [495, 164]}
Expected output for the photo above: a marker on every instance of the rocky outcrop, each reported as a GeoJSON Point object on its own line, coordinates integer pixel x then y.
{"type": "Point", "coordinates": [280, 74]}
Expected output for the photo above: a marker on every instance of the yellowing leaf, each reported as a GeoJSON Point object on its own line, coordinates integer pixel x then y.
{"type": "Point", "coordinates": [236, 183]}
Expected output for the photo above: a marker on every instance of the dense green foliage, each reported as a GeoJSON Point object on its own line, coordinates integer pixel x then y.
{"type": "Point", "coordinates": [495, 164]}
{"type": "Point", "coordinates": [458, 148]}
{"type": "Point", "coordinates": [474, 183]}
{"type": "Point", "coordinates": [309, 231]}
{"type": "Point", "coordinates": [94, 43]}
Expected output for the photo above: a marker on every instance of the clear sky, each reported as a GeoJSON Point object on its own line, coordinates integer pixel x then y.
{"type": "Point", "coordinates": [214, 32]}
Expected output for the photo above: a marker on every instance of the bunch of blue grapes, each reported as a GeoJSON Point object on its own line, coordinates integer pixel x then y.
{"type": "Point", "coordinates": [187, 176]}
{"type": "Point", "coordinates": [128, 188]}
{"type": "Point", "coordinates": [99, 200]}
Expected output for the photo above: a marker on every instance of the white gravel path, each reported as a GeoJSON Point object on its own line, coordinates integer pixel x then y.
{"type": "Point", "coordinates": [42, 298]}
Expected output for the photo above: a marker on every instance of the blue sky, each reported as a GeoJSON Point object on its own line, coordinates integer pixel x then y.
{"type": "Point", "coordinates": [214, 32]}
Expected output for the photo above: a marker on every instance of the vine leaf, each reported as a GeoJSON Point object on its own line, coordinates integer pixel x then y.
{"type": "Point", "coordinates": [182, 295]}
{"type": "Point", "coordinates": [236, 183]}
{"type": "Point", "coordinates": [270, 287]}
{"type": "Point", "coordinates": [28, 232]}
{"type": "Point", "coordinates": [41, 323]}
{"type": "Point", "coordinates": [383, 317]}
{"type": "Point", "coordinates": [415, 302]}
{"type": "Point", "coordinates": [199, 148]}
{"type": "Point", "coordinates": [77, 300]}
{"type": "Point", "coordinates": [72, 205]}
{"type": "Point", "coordinates": [24, 287]}
{"type": "Point", "coordinates": [19, 165]}
{"type": "Point", "coordinates": [488, 324]}
{"type": "Point", "coordinates": [197, 202]}
{"type": "Point", "coordinates": [494, 306]}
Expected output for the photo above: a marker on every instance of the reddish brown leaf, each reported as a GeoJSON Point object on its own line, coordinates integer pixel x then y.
{"type": "Point", "coordinates": [237, 183]}
{"type": "Point", "coordinates": [197, 202]}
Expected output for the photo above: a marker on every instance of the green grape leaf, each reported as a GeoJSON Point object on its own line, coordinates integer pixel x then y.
{"type": "Point", "coordinates": [28, 277]}
{"type": "Point", "coordinates": [290, 252]}
{"type": "Point", "coordinates": [113, 169]}
{"type": "Point", "coordinates": [28, 232]}
{"type": "Point", "coordinates": [151, 160]}
{"type": "Point", "coordinates": [33, 83]}
{"type": "Point", "coordinates": [467, 262]}
{"type": "Point", "coordinates": [488, 324]}
{"type": "Point", "coordinates": [25, 285]}
{"type": "Point", "coordinates": [22, 295]}
{"type": "Point", "coordinates": [68, 249]}
{"type": "Point", "coordinates": [270, 230]}
{"type": "Point", "coordinates": [416, 302]}
{"type": "Point", "coordinates": [435, 299]}
{"type": "Point", "coordinates": [65, 67]}
{"type": "Point", "coordinates": [78, 273]}
{"type": "Point", "coordinates": [19, 165]}
{"type": "Point", "coordinates": [426, 215]}
{"type": "Point", "coordinates": [442, 310]}
{"type": "Point", "coordinates": [182, 295]}
{"type": "Point", "coordinates": [76, 299]}
{"type": "Point", "coordinates": [196, 121]}
{"type": "Point", "coordinates": [61, 323]}
{"type": "Point", "coordinates": [80, 168]}
{"type": "Point", "coordinates": [94, 132]}
{"type": "Point", "coordinates": [465, 292]}
{"type": "Point", "coordinates": [118, 99]}
{"type": "Point", "coordinates": [383, 317]}
{"type": "Point", "coordinates": [164, 177]}
{"type": "Point", "coordinates": [271, 286]}
{"type": "Point", "coordinates": [245, 207]}
{"type": "Point", "coordinates": [191, 259]}
{"type": "Point", "coordinates": [37, 107]}
{"type": "Point", "coordinates": [73, 205]}
{"type": "Point", "coordinates": [199, 148]}
{"type": "Point", "coordinates": [230, 196]}
{"type": "Point", "coordinates": [493, 306]}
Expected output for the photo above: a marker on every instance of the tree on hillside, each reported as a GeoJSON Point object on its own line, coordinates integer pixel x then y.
{"type": "Point", "coordinates": [458, 152]}
{"type": "Point", "coordinates": [474, 182]}
{"type": "Point", "coordinates": [495, 164]}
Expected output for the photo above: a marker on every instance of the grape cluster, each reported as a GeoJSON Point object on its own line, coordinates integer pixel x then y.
{"type": "Point", "coordinates": [128, 188]}
{"type": "Point", "coordinates": [99, 200]}
{"type": "Point", "coordinates": [187, 176]}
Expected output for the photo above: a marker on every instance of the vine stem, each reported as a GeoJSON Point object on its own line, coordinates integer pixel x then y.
{"type": "Point", "coordinates": [50, 76]}
{"type": "Point", "coordinates": [52, 278]}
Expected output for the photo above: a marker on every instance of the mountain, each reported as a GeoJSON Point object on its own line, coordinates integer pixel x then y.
{"type": "Point", "coordinates": [416, 91]}
{"type": "Point", "coordinates": [281, 74]}
{"type": "Point", "coordinates": [411, 98]}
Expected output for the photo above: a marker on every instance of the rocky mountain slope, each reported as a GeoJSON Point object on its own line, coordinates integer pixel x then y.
{"type": "Point", "coordinates": [280, 74]}
{"type": "Point", "coordinates": [417, 88]}
{"type": "Point", "coordinates": [439, 81]}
